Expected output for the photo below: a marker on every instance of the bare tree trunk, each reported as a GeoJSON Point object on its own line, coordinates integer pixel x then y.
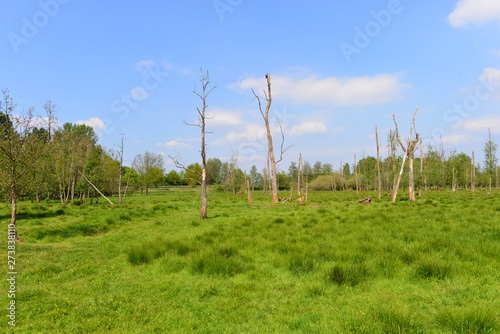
{"type": "Point", "coordinates": [249, 193]}
{"type": "Point", "coordinates": [410, 152]}
{"type": "Point", "coordinates": [396, 186]}
{"type": "Point", "coordinates": [96, 189]}
{"type": "Point", "coordinates": [270, 148]}
{"type": "Point", "coordinates": [121, 166]}
{"type": "Point", "coordinates": [473, 171]}
{"type": "Point", "coordinates": [356, 174]}
{"type": "Point", "coordinates": [298, 174]}
{"type": "Point", "coordinates": [378, 165]}
{"type": "Point", "coordinates": [269, 177]}
{"type": "Point", "coordinates": [126, 187]}
{"type": "Point", "coordinates": [264, 182]}
{"type": "Point", "coordinates": [307, 186]}
{"type": "Point", "coordinates": [411, 183]}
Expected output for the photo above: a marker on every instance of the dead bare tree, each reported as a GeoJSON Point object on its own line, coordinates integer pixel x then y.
{"type": "Point", "coordinates": [270, 149]}
{"type": "Point", "coordinates": [378, 165]}
{"type": "Point", "coordinates": [299, 169]}
{"type": "Point", "coordinates": [205, 91]}
{"type": "Point", "coordinates": [473, 172]}
{"type": "Point", "coordinates": [120, 157]}
{"type": "Point", "coordinates": [356, 174]}
{"type": "Point", "coordinates": [410, 144]}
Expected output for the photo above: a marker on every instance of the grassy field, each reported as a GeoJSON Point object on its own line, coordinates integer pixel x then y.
{"type": "Point", "coordinates": [329, 266]}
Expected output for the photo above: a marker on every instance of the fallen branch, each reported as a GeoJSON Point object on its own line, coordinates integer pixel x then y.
{"type": "Point", "coordinates": [367, 200]}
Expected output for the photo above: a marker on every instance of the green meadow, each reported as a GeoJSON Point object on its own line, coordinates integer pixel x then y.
{"type": "Point", "coordinates": [331, 265]}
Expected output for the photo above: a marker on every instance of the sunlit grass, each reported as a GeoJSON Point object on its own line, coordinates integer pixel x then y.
{"type": "Point", "coordinates": [329, 266]}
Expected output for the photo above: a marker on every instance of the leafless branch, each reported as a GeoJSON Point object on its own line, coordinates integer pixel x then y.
{"type": "Point", "coordinates": [178, 164]}
{"type": "Point", "coordinates": [282, 151]}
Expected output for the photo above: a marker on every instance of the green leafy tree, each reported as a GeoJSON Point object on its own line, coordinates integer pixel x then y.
{"type": "Point", "coordinates": [21, 151]}
{"type": "Point", "coordinates": [490, 159]}
{"type": "Point", "coordinates": [150, 168]}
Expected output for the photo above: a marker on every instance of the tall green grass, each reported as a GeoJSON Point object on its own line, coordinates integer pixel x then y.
{"type": "Point", "coordinates": [336, 266]}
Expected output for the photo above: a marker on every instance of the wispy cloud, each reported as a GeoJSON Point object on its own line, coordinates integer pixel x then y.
{"type": "Point", "coordinates": [173, 144]}
{"type": "Point", "coordinates": [308, 127]}
{"type": "Point", "coordinates": [475, 12]}
{"type": "Point", "coordinates": [221, 117]}
{"type": "Point", "coordinates": [481, 124]}
{"type": "Point", "coordinates": [454, 139]}
{"type": "Point", "coordinates": [353, 91]}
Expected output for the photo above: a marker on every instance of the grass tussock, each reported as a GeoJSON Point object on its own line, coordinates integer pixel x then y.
{"type": "Point", "coordinates": [469, 320]}
{"type": "Point", "coordinates": [350, 274]}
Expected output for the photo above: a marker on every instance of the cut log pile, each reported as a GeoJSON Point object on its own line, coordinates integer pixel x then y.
{"type": "Point", "coordinates": [367, 200]}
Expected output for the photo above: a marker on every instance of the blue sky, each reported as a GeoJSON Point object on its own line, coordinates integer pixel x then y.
{"type": "Point", "coordinates": [338, 69]}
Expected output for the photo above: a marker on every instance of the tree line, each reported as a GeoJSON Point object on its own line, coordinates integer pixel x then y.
{"type": "Point", "coordinates": [40, 160]}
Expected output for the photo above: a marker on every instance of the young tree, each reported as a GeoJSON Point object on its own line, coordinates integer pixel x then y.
{"type": "Point", "coordinates": [150, 169]}
{"type": "Point", "coordinates": [270, 148]}
{"type": "Point", "coordinates": [490, 158]}
{"type": "Point", "coordinates": [205, 91]}
{"type": "Point", "coordinates": [21, 151]}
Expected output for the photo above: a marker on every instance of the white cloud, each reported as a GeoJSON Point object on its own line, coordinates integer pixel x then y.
{"type": "Point", "coordinates": [481, 124]}
{"type": "Point", "coordinates": [491, 75]}
{"type": "Point", "coordinates": [454, 139]}
{"type": "Point", "coordinates": [250, 133]}
{"type": "Point", "coordinates": [308, 127]}
{"type": "Point", "coordinates": [221, 117]}
{"type": "Point", "coordinates": [355, 91]}
{"type": "Point", "coordinates": [173, 144]}
{"type": "Point", "coordinates": [136, 141]}
{"type": "Point", "coordinates": [94, 122]}
{"type": "Point", "coordinates": [476, 12]}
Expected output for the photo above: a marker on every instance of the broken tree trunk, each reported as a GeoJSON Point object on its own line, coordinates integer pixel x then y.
{"type": "Point", "coordinates": [378, 165]}
{"type": "Point", "coordinates": [367, 200]}
{"type": "Point", "coordinates": [96, 188]}
{"type": "Point", "coordinates": [396, 186]}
